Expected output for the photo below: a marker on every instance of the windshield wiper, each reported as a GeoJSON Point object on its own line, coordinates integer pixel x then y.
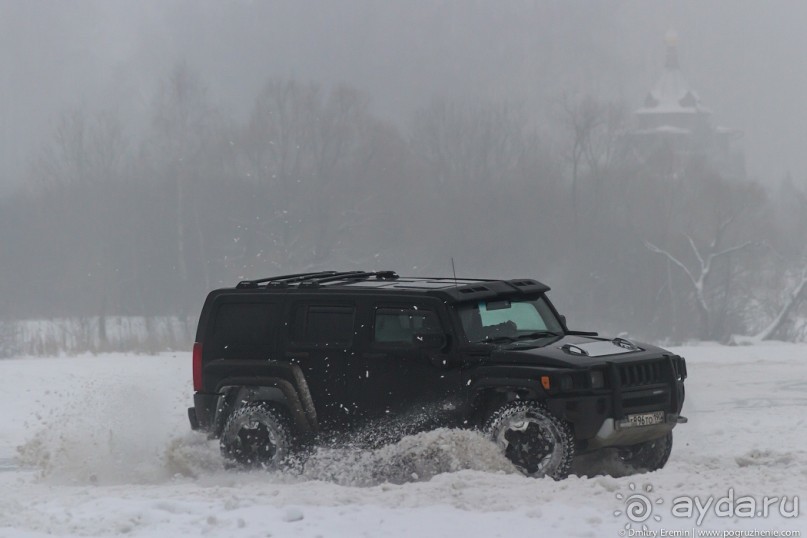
{"type": "Point", "coordinates": [537, 334]}
{"type": "Point", "coordinates": [510, 339]}
{"type": "Point", "coordinates": [498, 339]}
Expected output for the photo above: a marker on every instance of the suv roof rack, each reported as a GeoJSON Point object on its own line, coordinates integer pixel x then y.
{"type": "Point", "coordinates": [313, 280]}
{"type": "Point", "coordinates": [245, 284]}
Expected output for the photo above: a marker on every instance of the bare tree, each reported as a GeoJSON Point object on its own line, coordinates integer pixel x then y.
{"type": "Point", "coordinates": [594, 128]}
{"type": "Point", "coordinates": [79, 172]}
{"type": "Point", "coordinates": [792, 300]}
{"type": "Point", "coordinates": [182, 121]}
{"type": "Point", "coordinates": [87, 149]}
{"type": "Point", "coordinates": [302, 147]}
{"type": "Point", "coordinates": [475, 145]}
{"type": "Point", "coordinates": [700, 276]}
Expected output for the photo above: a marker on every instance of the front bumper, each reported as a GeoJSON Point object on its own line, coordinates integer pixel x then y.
{"type": "Point", "coordinates": [619, 433]}
{"type": "Point", "coordinates": [598, 417]}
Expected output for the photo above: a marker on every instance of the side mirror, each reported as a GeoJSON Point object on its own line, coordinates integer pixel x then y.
{"type": "Point", "coordinates": [563, 321]}
{"type": "Point", "coordinates": [430, 341]}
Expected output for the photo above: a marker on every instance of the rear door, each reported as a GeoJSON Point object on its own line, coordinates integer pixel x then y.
{"type": "Point", "coordinates": [320, 337]}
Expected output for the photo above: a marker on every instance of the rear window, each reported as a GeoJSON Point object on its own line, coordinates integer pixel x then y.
{"type": "Point", "coordinates": [243, 330]}
{"type": "Point", "coordinates": [323, 324]}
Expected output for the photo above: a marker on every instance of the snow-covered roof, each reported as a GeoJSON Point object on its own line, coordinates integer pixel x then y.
{"type": "Point", "coordinates": [665, 129]}
{"type": "Point", "coordinates": [672, 94]}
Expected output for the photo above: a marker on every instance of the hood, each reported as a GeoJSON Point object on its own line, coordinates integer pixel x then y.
{"type": "Point", "coordinates": [571, 351]}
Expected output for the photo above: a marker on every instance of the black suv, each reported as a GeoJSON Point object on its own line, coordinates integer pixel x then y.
{"type": "Point", "coordinates": [291, 361]}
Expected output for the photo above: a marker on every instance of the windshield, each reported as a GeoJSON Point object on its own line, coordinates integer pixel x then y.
{"type": "Point", "coordinates": [508, 320]}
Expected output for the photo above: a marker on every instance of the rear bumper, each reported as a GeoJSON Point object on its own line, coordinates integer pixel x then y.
{"type": "Point", "coordinates": [203, 412]}
{"type": "Point", "coordinates": [192, 417]}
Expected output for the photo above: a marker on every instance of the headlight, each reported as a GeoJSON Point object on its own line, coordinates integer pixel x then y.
{"type": "Point", "coordinates": [597, 379]}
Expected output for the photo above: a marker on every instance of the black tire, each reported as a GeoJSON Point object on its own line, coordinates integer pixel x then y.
{"type": "Point", "coordinates": [648, 456]}
{"type": "Point", "coordinates": [535, 441]}
{"type": "Point", "coordinates": [257, 435]}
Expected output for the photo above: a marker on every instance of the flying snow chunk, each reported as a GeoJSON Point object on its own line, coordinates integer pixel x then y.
{"type": "Point", "coordinates": [292, 515]}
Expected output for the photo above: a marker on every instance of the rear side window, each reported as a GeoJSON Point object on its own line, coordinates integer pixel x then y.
{"type": "Point", "coordinates": [400, 325]}
{"type": "Point", "coordinates": [243, 330]}
{"type": "Point", "coordinates": [323, 324]}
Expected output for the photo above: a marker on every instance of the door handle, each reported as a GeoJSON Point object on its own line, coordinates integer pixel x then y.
{"type": "Point", "coordinates": [374, 356]}
{"type": "Point", "coordinates": [298, 354]}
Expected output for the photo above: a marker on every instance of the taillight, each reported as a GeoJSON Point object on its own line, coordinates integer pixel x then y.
{"type": "Point", "coordinates": [197, 366]}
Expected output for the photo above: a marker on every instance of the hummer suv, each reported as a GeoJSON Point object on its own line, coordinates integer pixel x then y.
{"type": "Point", "coordinates": [291, 361]}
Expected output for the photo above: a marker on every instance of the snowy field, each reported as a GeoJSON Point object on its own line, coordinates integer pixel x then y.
{"type": "Point", "coordinates": [100, 446]}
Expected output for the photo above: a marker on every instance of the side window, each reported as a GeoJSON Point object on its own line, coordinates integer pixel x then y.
{"type": "Point", "coordinates": [323, 324]}
{"type": "Point", "coordinates": [399, 325]}
{"type": "Point", "coordinates": [243, 330]}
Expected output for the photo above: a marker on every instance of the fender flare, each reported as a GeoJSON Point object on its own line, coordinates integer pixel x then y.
{"type": "Point", "coordinates": [287, 387]}
{"type": "Point", "coordinates": [508, 388]}
{"type": "Point", "coordinates": [532, 387]}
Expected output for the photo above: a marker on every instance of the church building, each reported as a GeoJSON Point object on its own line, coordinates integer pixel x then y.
{"type": "Point", "coordinates": [673, 119]}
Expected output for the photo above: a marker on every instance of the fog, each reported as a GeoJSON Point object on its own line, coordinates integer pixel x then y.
{"type": "Point", "coordinates": [136, 167]}
{"type": "Point", "coordinates": [743, 58]}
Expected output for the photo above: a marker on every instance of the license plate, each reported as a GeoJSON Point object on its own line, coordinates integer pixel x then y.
{"type": "Point", "coordinates": [645, 419]}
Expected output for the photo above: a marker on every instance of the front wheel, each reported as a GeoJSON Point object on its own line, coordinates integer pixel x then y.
{"type": "Point", "coordinates": [535, 441]}
{"type": "Point", "coordinates": [257, 435]}
{"type": "Point", "coordinates": [648, 456]}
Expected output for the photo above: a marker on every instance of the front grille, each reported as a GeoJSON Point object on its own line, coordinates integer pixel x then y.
{"type": "Point", "coordinates": [642, 373]}
{"type": "Point", "coordinates": [646, 386]}
{"type": "Point", "coordinates": [680, 367]}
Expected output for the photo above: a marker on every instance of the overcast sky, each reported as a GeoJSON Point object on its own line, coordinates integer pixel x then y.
{"type": "Point", "coordinates": [744, 58]}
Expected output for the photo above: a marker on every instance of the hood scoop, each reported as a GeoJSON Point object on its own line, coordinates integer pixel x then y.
{"type": "Point", "coordinates": [601, 348]}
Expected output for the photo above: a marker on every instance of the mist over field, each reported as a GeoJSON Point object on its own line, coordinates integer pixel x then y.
{"type": "Point", "coordinates": [646, 160]}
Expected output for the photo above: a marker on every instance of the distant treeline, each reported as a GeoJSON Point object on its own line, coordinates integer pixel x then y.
{"type": "Point", "coordinates": [71, 336]}
{"type": "Point", "coordinates": [118, 221]}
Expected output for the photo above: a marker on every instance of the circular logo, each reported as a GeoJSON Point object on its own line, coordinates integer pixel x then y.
{"type": "Point", "coordinates": [638, 506]}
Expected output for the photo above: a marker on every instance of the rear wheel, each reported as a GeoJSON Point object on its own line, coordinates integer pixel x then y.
{"type": "Point", "coordinates": [257, 435]}
{"type": "Point", "coordinates": [535, 441]}
{"type": "Point", "coordinates": [647, 456]}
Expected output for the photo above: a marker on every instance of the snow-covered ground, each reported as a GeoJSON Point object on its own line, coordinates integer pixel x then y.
{"type": "Point", "coordinates": [99, 446]}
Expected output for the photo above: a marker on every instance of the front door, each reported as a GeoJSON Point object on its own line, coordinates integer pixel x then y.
{"type": "Point", "coordinates": [396, 377]}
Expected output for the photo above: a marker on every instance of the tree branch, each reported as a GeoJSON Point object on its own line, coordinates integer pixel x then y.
{"type": "Point", "coordinates": [729, 250]}
{"type": "Point", "coordinates": [792, 300]}
{"type": "Point", "coordinates": [653, 248]}
{"type": "Point", "coordinates": [697, 254]}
